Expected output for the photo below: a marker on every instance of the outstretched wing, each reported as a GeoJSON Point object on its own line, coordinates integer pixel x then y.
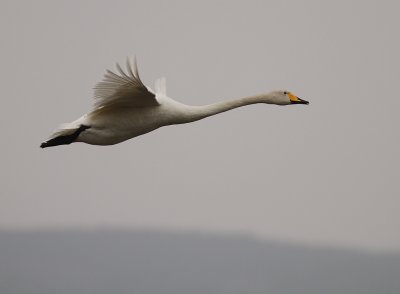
{"type": "Point", "coordinates": [123, 88]}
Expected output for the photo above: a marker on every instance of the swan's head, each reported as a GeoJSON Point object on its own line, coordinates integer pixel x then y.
{"type": "Point", "coordinates": [285, 98]}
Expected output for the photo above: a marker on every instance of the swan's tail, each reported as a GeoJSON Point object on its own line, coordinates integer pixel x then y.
{"type": "Point", "coordinates": [64, 136]}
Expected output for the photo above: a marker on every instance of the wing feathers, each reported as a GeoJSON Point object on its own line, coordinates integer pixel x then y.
{"type": "Point", "coordinates": [161, 86]}
{"type": "Point", "coordinates": [123, 87]}
{"type": "Point", "coordinates": [129, 67]}
{"type": "Point", "coordinates": [136, 69]}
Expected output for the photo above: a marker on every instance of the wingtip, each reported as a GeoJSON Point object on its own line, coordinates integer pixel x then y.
{"type": "Point", "coordinates": [161, 86]}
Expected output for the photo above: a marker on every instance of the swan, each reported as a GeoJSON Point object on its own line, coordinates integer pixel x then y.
{"type": "Point", "coordinates": [125, 108]}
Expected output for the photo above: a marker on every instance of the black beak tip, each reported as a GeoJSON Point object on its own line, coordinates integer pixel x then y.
{"type": "Point", "coordinates": [300, 101]}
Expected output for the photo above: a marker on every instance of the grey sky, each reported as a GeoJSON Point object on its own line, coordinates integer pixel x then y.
{"type": "Point", "coordinates": [323, 173]}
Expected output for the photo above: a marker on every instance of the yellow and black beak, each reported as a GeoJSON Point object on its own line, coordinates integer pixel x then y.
{"type": "Point", "coordinates": [296, 100]}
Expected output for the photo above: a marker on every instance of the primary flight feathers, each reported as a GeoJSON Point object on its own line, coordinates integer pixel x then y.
{"type": "Point", "coordinates": [123, 88]}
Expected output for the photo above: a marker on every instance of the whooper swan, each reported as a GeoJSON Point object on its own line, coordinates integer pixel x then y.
{"type": "Point", "coordinates": [125, 108]}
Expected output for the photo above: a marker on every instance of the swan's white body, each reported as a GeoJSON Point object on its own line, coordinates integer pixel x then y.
{"type": "Point", "coordinates": [125, 108]}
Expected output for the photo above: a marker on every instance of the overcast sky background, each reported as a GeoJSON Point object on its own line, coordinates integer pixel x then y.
{"type": "Point", "coordinates": [325, 173]}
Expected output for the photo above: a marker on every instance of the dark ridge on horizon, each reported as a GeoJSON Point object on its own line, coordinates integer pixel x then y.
{"type": "Point", "coordinates": [104, 261]}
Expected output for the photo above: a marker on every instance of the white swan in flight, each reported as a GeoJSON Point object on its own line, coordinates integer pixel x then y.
{"type": "Point", "coordinates": [125, 108]}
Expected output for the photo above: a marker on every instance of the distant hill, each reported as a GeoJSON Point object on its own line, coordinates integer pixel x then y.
{"type": "Point", "coordinates": [153, 262]}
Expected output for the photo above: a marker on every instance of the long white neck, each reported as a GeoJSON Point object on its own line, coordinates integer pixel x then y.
{"type": "Point", "coordinates": [194, 113]}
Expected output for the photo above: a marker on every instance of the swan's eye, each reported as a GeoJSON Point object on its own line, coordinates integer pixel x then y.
{"type": "Point", "coordinates": [285, 93]}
